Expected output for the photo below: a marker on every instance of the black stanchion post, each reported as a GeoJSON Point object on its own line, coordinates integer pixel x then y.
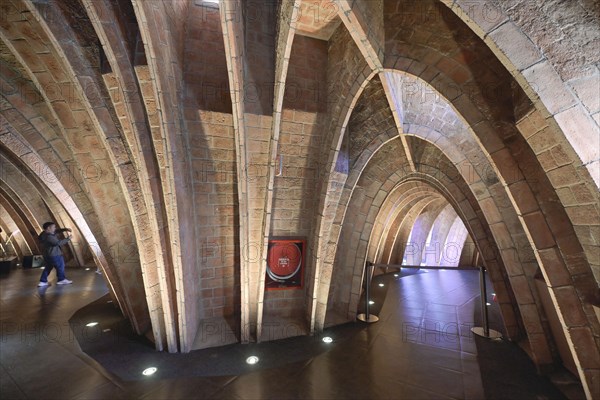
{"type": "Point", "coordinates": [367, 296]}
{"type": "Point", "coordinates": [367, 317]}
{"type": "Point", "coordinates": [484, 310]}
{"type": "Point", "coordinates": [485, 331]}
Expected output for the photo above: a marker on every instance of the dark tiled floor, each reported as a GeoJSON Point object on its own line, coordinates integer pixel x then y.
{"type": "Point", "coordinates": [422, 348]}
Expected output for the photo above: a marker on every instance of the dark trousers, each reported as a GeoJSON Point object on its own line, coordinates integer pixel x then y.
{"type": "Point", "coordinates": [57, 262]}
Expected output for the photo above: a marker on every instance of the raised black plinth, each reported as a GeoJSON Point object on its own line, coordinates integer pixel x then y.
{"type": "Point", "coordinates": [6, 264]}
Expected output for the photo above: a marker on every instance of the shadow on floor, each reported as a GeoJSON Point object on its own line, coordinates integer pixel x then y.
{"type": "Point", "coordinates": [117, 348]}
{"type": "Point", "coordinates": [422, 346]}
{"type": "Point", "coordinates": [420, 349]}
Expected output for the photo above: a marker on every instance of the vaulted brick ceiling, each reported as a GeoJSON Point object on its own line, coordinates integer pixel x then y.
{"type": "Point", "coordinates": [177, 137]}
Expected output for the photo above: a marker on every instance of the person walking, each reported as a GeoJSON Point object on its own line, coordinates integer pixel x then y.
{"type": "Point", "coordinates": [53, 254]}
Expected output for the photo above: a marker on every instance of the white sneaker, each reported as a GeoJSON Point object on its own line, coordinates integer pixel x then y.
{"type": "Point", "coordinates": [64, 282]}
{"type": "Point", "coordinates": [42, 284]}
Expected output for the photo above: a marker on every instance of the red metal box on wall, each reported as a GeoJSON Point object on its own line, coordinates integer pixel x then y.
{"type": "Point", "coordinates": [285, 264]}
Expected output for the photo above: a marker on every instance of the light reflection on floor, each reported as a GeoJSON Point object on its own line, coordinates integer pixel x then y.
{"type": "Point", "coordinates": [419, 349]}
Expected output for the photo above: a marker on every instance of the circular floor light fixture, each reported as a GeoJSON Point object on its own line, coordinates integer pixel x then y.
{"type": "Point", "coordinates": [327, 339]}
{"type": "Point", "coordinates": [91, 324]}
{"type": "Point", "coordinates": [252, 360]}
{"type": "Point", "coordinates": [149, 371]}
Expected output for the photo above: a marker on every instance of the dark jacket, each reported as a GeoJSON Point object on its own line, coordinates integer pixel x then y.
{"type": "Point", "coordinates": [51, 244]}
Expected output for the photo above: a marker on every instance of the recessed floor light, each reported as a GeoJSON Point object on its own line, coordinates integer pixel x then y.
{"type": "Point", "coordinates": [106, 330]}
{"type": "Point", "coordinates": [381, 285]}
{"type": "Point", "coordinates": [395, 275]}
{"type": "Point", "coordinates": [327, 339]}
{"type": "Point", "coordinates": [87, 269]}
{"type": "Point", "coordinates": [91, 324]}
{"type": "Point", "coordinates": [488, 304]}
{"type": "Point", "coordinates": [149, 371]}
{"type": "Point", "coordinates": [252, 360]}
{"type": "Point", "coordinates": [371, 302]}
